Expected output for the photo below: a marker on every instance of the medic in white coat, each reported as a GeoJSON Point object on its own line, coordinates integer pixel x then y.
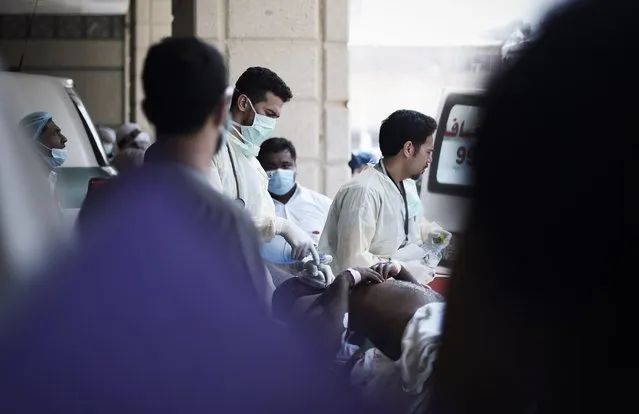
{"type": "Point", "coordinates": [379, 211]}
{"type": "Point", "coordinates": [257, 103]}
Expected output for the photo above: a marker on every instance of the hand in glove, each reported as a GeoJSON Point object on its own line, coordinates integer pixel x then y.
{"type": "Point", "coordinates": [329, 277]}
{"type": "Point", "coordinates": [317, 276]}
{"type": "Point", "coordinates": [300, 241]}
{"type": "Point", "coordinates": [439, 236]}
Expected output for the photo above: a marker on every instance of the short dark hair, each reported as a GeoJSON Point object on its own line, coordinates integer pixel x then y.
{"type": "Point", "coordinates": [402, 126]}
{"type": "Point", "coordinates": [256, 81]}
{"type": "Point", "coordinates": [184, 81]}
{"type": "Point", "coordinates": [275, 145]}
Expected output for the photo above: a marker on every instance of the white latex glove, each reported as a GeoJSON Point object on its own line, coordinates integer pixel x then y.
{"type": "Point", "coordinates": [329, 277]}
{"type": "Point", "coordinates": [318, 276]}
{"type": "Point", "coordinates": [301, 243]}
{"type": "Point", "coordinates": [440, 236]}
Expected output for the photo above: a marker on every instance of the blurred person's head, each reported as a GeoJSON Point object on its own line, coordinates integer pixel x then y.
{"type": "Point", "coordinates": [278, 158]}
{"type": "Point", "coordinates": [186, 98]}
{"type": "Point", "coordinates": [360, 161]}
{"type": "Point", "coordinates": [127, 159]}
{"type": "Point", "coordinates": [108, 139]}
{"type": "Point", "coordinates": [257, 103]}
{"type": "Point", "coordinates": [130, 135]}
{"type": "Point", "coordinates": [406, 140]}
{"type": "Point", "coordinates": [535, 300]}
{"type": "Point", "coordinates": [40, 127]}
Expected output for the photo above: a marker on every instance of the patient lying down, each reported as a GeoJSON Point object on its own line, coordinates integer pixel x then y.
{"type": "Point", "coordinates": [377, 324]}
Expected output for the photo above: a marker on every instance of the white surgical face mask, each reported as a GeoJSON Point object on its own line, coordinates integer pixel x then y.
{"type": "Point", "coordinates": [254, 135]}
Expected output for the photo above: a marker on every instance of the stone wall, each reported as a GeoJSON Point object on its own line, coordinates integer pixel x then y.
{"type": "Point", "coordinates": [91, 50]}
{"type": "Point", "coordinates": [305, 42]}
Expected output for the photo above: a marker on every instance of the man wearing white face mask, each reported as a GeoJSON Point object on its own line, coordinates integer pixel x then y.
{"type": "Point", "coordinates": [306, 208]}
{"type": "Point", "coordinates": [257, 103]}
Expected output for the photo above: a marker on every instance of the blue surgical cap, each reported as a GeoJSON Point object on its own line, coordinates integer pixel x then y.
{"type": "Point", "coordinates": [34, 123]}
{"type": "Point", "coordinates": [362, 158]}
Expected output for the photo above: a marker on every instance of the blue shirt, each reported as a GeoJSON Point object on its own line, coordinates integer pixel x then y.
{"type": "Point", "coordinates": [171, 325]}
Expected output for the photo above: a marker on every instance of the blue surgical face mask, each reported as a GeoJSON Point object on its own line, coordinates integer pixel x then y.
{"type": "Point", "coordinates": [280, 181]}
{"type": "Point", "coordinates": [254, 135]}
{"type": "Point", "coordinates": [57, 158]}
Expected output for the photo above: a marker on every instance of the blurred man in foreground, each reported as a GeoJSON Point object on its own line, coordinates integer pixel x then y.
{"type": "Point", "coordinates": [189, 117]}
{"type": "Point", "coordinates": [536, 321]}
{"type": "Point", "coordinates": [177, 328]}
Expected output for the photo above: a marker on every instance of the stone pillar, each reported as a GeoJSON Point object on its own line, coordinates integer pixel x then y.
{"type": "Point", "coordinates": [305, 42]}
{"type": "Point", "coordinates": [151, 22]}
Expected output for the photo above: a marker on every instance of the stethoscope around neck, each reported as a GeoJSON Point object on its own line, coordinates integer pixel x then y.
{"type": "Point", "coordinates": [402, 191]}
{"type": "Point", "coordinates": [239, 200]}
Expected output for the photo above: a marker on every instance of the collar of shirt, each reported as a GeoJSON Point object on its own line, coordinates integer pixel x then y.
{"type": "Point", "coordinates": [296, 194]}
{"type": "Point", "coordinates": [194, 173]}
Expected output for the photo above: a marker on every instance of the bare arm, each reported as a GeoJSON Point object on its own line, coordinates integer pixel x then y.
{"type": "Point", "coordinates": [328, 324]}
{"type": "Point", "coordinates": [326, 315]}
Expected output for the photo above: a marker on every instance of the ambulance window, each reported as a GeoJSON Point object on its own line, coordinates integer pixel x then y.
{"type": "Point", "coordinates": [454, 156]}
{"type": "Point", "coordinates": [457, 153]}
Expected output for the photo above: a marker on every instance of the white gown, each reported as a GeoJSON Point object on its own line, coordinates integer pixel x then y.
{"type": "Point", "coordinates": [365, 224]}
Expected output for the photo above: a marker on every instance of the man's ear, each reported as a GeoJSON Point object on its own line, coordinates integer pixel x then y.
{"type": "Point", "coordinates": [408, 149]}
{"type": "Point", "coordinates": [242, 103]}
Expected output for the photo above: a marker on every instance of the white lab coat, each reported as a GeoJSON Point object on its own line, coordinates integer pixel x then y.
{"type": "Point", "coordinates": [253, 187]}
{"type": "Point", "coordinates": [365, 224]}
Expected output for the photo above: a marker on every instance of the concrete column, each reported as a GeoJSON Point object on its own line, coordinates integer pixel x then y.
{"type": "Point", "coordinates": [305, 42]}
{"type": "Point", "coordinates": [151, 22]}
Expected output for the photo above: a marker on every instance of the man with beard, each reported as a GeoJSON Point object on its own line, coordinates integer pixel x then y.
{"type": "Point", "coordinates": [379, 212]}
